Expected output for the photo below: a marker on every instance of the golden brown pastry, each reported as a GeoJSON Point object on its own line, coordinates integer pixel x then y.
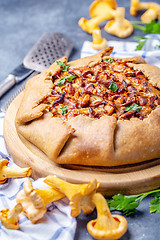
{"type": "Point", "coordinates": [99, 110]}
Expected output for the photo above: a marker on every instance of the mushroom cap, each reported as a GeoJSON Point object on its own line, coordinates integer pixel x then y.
{"type": "Point", "coordinates": [3, 162]}
{"type": "Point", "coordinates": [98, 6]}
{"type": "Point", "coordinates": [119, 26]}
{"type": "Point", "coordinates": [32, 203]}
{"type": "Point", "coordinates": [108, 234]}
{"type": "Point", "coordinates": [8, 223]}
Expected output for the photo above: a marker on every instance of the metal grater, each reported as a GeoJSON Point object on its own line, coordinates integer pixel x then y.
{"type": "Point", "coordinates": [49, 48]}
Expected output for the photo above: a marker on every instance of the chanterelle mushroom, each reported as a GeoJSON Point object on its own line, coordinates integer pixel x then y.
{"type": "Point", "coordinates": [106, 226]}
{"type": "Point", "coordinates": [91, 24]}
{"type": "Point", "coordinates": [78, 194]}
{"type": "Point", "coordinates": [103, 7]}
{"type": "Point", "coordinates": [98, 42]}
{"type": "Point", "coordinates": [119, 27]}
{"type": "Point", "coordinates": [152, 13]}
{"type": "Point", "coordinates": [100, 10]}
{"type": "Point", "coordinates": [49, 195]}
{"type": "Point", "coordinates": [34, 200]}
{"type": "Point", "coordinates": [10, 218]}
{"type": "Point", "coordinates": [12, 172]}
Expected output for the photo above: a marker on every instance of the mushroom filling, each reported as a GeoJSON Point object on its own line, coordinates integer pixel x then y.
{"type": "Point", "coordinates": [110, 88]}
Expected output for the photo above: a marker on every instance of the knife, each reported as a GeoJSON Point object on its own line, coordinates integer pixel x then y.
{"type": "Point", "coordinates": [17, 75]}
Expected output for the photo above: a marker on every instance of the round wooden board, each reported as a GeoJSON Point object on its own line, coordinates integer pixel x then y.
{"type": "Point", "coordinates": [132, 179]}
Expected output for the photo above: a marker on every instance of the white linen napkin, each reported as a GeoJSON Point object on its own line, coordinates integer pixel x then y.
{"type": "Point", "coordinates": [57, 224]}
{"type": "Point", "coordinates": [127, 49]}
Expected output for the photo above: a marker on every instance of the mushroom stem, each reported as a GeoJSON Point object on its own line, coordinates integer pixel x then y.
{"type": "Point", "coordinates": [78, 194]}
{"type": "Point", "coordinates": [98, 42]}
{"type": "Point", "coordinates": [49, 195]}
{"type": "Point", "coordinates": [14, 172]}
{"type": "Point", "coordinates": [104, 216]}
{"type": "Point", "coordinates": [67, 188]}
{"type": "Point", "coordinates": [10, 218]}
{"type": "Point", "coordinates": [106, 226]}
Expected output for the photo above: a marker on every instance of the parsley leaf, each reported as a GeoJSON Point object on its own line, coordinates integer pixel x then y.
{"type": "Point", "coordinates": [140, 42]}
{"type": "Point", "coordinates": [139, 38]}
{"type": "Point", "coordinates": [134, 107]}
{"type": "Point", "coordinates": [128, 204]}
{"type": "Point", "coordinates": [113, 87]}
{"type": "Point", "coordinates": [70, 78]}
{"type": "Point", "coordinates": [153, 27]}
{"type": "Point", "coordinates": [108, 60]}
{"type": "Point", "coordinates": [140, 45]}
{"type": "Point", "coordinates": [62, 80]}
{"type": "Point", "coordinates": [63, 110]}
{"type": "Point", "coordinates": [155, 205]}
{"type": "Point", "coordinates": [64, 67]}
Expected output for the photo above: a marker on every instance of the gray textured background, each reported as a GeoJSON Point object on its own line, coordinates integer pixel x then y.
{"type": "Point", "coordinates": [21, 25]}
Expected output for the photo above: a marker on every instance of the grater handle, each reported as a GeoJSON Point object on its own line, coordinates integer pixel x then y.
{"type": "Point", "coordinates": [7, 83]}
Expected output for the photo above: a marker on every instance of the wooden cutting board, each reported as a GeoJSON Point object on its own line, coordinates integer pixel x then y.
{"type": "Point", "coordinates": [131, 179]}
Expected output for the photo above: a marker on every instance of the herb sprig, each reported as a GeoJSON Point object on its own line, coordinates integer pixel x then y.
{"type": "Point", "coordinates": [113, 87]}
{"type": "Point", "coordinates": [64, 67]}
{"type": "Point", "coordinates": [153, 27]}
{"type": "Point", "coordinates": [135, 107]}
{"type": "Point", "coordinates": [68, 78]}
{"type": "Point", "coordinates": [63, 110]}
{"type": "Point", "coordinates": [128, 204]}
{"type": "Point", "coordinates": [110, 60]}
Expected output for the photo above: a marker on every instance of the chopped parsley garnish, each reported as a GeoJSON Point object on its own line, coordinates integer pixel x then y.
{"type": "Point", "coordinates": [64, 67]}
{"type": "Point", "coordinates": [113, 87]}
{"type": "Point", "coordinates": [135, 107]}
{"type": "Point", "coordinates": [61, 81]}
{"type": "Point", "coordinates": [63, 110]}
{"type": "Point", "coordinates": [108, 60]}
{"type": "Point", "coordinates": [68, 78]}
{"type": "Point", "coordinates": [128, 204]}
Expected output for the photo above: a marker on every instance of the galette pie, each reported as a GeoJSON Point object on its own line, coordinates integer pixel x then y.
{"type": "Point", "coordinates": [97, 111]}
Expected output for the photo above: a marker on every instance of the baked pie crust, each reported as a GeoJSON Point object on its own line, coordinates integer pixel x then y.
{"type": "Point", "coordinates": [99, 111]}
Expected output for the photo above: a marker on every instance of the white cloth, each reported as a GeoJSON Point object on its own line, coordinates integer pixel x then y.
{"type": "Point", "coordinates": [57, 224]}
{"type": "Point", "coordinates": [127, 49]}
